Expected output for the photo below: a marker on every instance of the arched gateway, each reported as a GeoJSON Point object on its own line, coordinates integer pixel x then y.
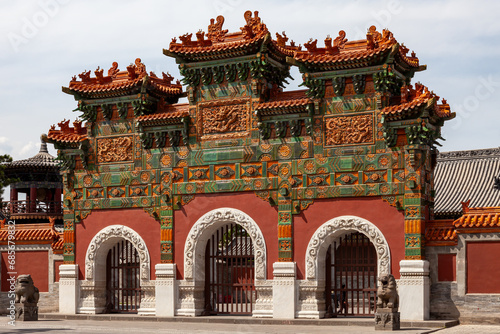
{"type": "Point", "coordinates": [348, 253]}
{"type": "Point", "coordinates": [117, 264]}
{"type": "Point", "coordinates": [220, 239]}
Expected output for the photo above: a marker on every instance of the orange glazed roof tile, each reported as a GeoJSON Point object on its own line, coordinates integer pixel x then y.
{"type": "Point", "coordinates": [67, 134]}
{"type": "Point", "coordinates": [440, 233]}
{"type": "Point", "coordinates": [289, 100]}
{"type": "Point", "coordinates": [58, 244]}
{"type": "Point", "coordinates": [221, 44]}
{"type": "Point", "coordinates": [413, 99]}
{"type": "Point", "coordinates": [121, 83]}
{"type": "Point", "coordinates": [171, 113]}
{"type": "Point", "coordinates": [339, 53]}
{"type": "Point", "coordinates": [30, 233]}
{"type": "Point", "coordinates": [479, 218]}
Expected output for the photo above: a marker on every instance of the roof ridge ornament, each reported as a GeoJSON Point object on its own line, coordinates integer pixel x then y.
{"type": "Point", "coordinates": [215, 32]}
{"type": "Point", "coordinates": [375, 39]}
{"type": "Point", "coordinates": [113, 70]}
{"type": "Point", "coordinates": [254, 25]}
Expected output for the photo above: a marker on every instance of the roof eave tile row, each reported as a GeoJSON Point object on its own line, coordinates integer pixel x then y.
{"type": "Point", "coordinates": [283, 107]}
{"type": "Point", "coordinates": [65, 138]}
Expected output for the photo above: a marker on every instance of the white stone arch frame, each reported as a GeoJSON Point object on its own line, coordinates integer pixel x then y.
{"type": "Point", "coordinates": [202, 230]}
{"type": "Point", "coordinates": [95, 259]}
{"type": "Point", "coordinates": [334, 229]}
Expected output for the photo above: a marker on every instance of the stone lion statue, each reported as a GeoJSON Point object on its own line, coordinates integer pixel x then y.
{"type": "Point", "coordinates": [26, 292]}
{"type": "Point", "coordinates": [387, 293]}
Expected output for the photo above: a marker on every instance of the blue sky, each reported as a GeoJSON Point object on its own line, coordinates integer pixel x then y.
{"type": "Point", "coordinates": [45, 42]}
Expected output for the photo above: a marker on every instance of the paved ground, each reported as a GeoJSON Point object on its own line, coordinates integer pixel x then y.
{"type": "Point", "coordinates": [111, 327]}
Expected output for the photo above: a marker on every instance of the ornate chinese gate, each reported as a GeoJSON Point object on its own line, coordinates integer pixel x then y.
{"type": "Point", "coordinates": [351, 276]}
{"type": "Point", "coordinates": [123, 278]}
{"type": "Point", "coordinates": [229, 275]}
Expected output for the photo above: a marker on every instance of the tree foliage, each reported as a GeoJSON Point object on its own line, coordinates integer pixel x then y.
{"type": "Point", "coordinates": [4, 180]}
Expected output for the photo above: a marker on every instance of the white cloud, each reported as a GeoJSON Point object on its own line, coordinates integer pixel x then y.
{"type": "Point", "coordinates": [5, 146]}
{"type": "Point", "coordinates": [29, 149]}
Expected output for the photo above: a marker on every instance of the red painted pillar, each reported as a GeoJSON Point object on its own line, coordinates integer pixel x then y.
{"type": "Point", "coordinates": [57, 200]}
{"type": "Point", "coordinates": [32, 202]}
{"type": "Point", "coordinates": [13, 200]}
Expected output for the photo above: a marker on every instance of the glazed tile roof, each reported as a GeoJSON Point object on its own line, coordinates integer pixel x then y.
{"type": "Point", "coordinates": [58, 244]}
{"type": "Point", "coordinates": [479, 218]}
{"type": "Point", "coordinates": [41, 160]}
{"type": "Point", "coordinates": [413, 99]}
{"type": "Point", "coordinates": [461, 176]}
{"type": "Point", "coordinates": [339, 53]}
{"type": "Point", "coordinates": [440, 233]}
{"type": "Point", "coordinates": [220, 44]}
{"type": "Point", "coordinates": [171, 113]}
{"type": "Point", "coordinates": [31, 233]}
{"type": "Point", "coordinates": [285, 102]}
{"type": "Point", "coordinates": [67, 135]}
{"type": "Point", "coordinates": [122, 83]}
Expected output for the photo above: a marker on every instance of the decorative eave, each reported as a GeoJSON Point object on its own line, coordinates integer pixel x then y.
{"type": "Point", "coordinates": [285, 103]}
{"type": "Point", "coordinates": [254, 37]}
{"type": "Point", "coordinates": [58, 244]}
{"type": "Point", "coordinates": [67, 136]}
{"type": "Point", "coordinates": [479, 220]}
{"type": "Point", "coordinates": [414, 101]}
{"type": "Point", "coordinates": [440, 233]}
{"type": "Point", "coordinates": [173, 114]}
{"type": "Point", "coordinates": [123, 83]}
{"type": "Point", "coordinates": [30, 234]}
{"type": "Point", "coordinates": [470, 154]}
{"type": "Point", "coordinates": [340, 54]}
{"type": "Point", "coordinates": [42, 161]}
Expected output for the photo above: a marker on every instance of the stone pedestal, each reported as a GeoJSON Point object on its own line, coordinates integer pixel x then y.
{"type": "Point", "coordinates": [27, 311]}
{"type": "Point", "coordinates": [387, 319]}
{"type": "Point", "coordinates": [68, 288]}
{"type": "Point", "coordinates": [284, 290]}
{"type": "Point", "coordinates": [165, 289]}
{"type": "Point", "coordinates": [414, 290]}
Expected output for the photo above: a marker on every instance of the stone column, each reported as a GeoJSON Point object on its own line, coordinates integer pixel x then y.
{"type": "Point", "coordinates": [284, 291]}
{"type": "Point", "coordinates": [166, 289]}
{"type": "Point", "coordinates": [414, 290]}
{"type": "Point", "coordinates": [68, 288]}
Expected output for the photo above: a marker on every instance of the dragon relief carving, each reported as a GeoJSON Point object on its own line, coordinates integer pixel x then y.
{"type": "Point", "coordinates": [114, 149]}
{"type": "Point", "coordinates": [344, 130]}
{"type": "Point", "coordinates": [230, 120]}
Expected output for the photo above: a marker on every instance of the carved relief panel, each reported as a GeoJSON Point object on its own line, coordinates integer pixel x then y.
{"type": "Point", "coordinates": [223, 119]}
{"type": "Point", "coordinates": [349, 130]}
{"type": "Point", "coordinates": [117, 149]}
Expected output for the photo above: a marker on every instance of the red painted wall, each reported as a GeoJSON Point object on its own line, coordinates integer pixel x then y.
{"type": "Point", "coordinates": [388, 219]}
{"type": "Point", "coordinates": [265, 215]}
{"type": "Point", "coordinates": [447, 269]}
{"type": "Point", "coordinates": [56, 270]}
{"type": "Point", "coordinates": [138, 220]}
{"type": "Point", "coordinates": [35, 263]}
{"type": "Point", "coordinates": [483, 267]}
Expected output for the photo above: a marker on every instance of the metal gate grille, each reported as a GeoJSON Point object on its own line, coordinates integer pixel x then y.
{"type": "Point", "coordinates": [123, 278]}
{"type": "Point", "coordinates": [229, 275]}
{"type": "Point", "coordinates": [351, 276]}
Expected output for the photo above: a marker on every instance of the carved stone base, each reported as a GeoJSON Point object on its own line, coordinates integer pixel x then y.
{"type": "Point", "coordinates": [26, 312]}
{"type": "Point", "coordinates": [387, 319]}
